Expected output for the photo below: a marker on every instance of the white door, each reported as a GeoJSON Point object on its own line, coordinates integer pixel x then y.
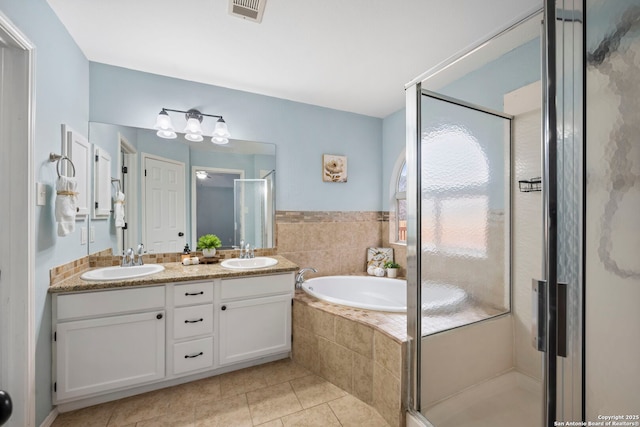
{"type": "Point", "coordinates": [16, 229]}
{"type": "Point", "coordinates": [164, 205]}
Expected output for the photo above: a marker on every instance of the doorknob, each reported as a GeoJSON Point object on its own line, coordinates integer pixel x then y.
{"type": "Point", "coordinates": [5, 407]}
{"type": "Point", "coordinates": [180, 234]}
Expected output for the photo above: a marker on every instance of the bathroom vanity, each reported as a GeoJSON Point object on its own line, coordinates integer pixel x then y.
{"type": "Point", "coordinates": [115, 339]}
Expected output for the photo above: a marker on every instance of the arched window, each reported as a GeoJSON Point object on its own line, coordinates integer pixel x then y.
{"type": "Point", "coordinates": [455, 192]}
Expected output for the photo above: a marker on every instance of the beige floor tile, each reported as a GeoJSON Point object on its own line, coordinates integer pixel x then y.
{"type": "Point", "coordinates": [193, 393]}
{"type": "Point", "coordinates": [274, 423]}
{"type": "Point", "coordinates": [351, 412]}
{"type": "Point", "coordinates": [230, 412]}
{"type": "Point", "coordinates": [313, 390]}
{"type": "Point", "coordinates": [242, 381]}
{"type": "Point", "coordinates": [282, 371]}
{"type": "Point", "coordinates": [184, 418]}
{"type": "Point", "coordinates": [93, 416]}
{"type": "Point", "coordinates": [318, 416]}
{"type": "Point", "coordinates": [139, 408]}
{"type": "Point", "coordinates": [272, 402]}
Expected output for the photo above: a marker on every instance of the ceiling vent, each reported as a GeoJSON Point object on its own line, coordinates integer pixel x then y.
{"type": "Point", "coordinates": [251, 10]}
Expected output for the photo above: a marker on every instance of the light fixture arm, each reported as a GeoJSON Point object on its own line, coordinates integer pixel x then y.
{"type": "Point", "coordinates": [193, 113]}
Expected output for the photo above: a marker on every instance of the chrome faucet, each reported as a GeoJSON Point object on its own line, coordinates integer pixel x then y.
{"type": "Point", "coordinates": [138, 258]}
{"type": "Point", "coordinates": [127, 258]}
{"type": "Point", "coordinates": [300, 276]}
{"type": "Point", "coordinates": [246, 251]}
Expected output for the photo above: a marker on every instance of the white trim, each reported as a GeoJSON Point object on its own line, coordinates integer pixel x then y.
{"type": "Point", "coordinates": [25, 238]}
{"type": "Point", "coordinates": [130, 189]}
{"type": "Point", "coordinates": [48, 422]}
{"type": "Point", "coordinates": [194, 225]}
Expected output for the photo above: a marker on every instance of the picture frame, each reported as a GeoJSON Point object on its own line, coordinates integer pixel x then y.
{"type": "Point", "coordinates": [334, 168]}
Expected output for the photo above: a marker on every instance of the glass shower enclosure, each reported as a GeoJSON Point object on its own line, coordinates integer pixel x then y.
{"type": "Point", "coordinates": [484, 349]}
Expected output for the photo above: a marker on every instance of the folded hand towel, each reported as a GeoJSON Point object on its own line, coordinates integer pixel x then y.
{"type": "Point", "coordinates": [65, 209]}
{"type": "Point", "coordinates": [118, 209]}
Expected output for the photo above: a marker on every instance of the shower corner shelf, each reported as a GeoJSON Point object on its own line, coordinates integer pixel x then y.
{"type": "Point", "coordinates": [529, 185]}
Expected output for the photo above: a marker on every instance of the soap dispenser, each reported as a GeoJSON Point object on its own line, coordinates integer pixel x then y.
{"type": "Point", "coordinates": [186, 252]}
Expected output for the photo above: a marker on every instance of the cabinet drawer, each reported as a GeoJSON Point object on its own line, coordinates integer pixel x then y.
{"type": "Point", "coordinates": [249, 287]}
{"type": "Point", "coordinates": [193, 321]}
{"type": "Point", "coordinates": [192, 355]}
{"type": "Point", "coordinates": [100, 303]}
{"type": "Point", "coordinates": [193, 293]}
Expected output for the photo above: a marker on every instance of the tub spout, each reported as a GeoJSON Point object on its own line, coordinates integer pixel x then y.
{"type": "Point", "coordinates": [300, 276]}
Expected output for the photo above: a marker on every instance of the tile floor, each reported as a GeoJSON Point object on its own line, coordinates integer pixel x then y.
{"type": "Point", "coordinates": [277, 394]}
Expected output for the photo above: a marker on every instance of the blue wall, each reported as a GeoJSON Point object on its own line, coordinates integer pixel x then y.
{"type": "Point", "coordinates": [61, 96]}
{"type": "Point", "coordinates": [485, 86]}
{"type": "Point", "coordinates": [301, 132]}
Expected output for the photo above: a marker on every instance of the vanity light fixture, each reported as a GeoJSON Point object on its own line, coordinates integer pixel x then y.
{"type": "Point", "coordinates": [193, 130]}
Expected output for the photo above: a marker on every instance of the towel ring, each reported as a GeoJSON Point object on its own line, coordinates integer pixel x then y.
{"type": "Point", "coordinates": [53, 157]}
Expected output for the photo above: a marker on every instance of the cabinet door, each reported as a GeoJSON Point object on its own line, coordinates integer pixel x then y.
{"type": "Point", "coordinates": [108, 353]}
{"type": "Point", "coordinates": [254, 328]}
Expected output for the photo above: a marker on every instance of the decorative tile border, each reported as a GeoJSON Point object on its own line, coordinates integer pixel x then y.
{"type": "Point", "coordinates": [330, 216]}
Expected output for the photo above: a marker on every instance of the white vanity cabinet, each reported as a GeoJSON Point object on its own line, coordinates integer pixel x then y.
{"type": "Point", "coordinates": [117, 342]}
{"type": "Point", "coordinates": [107, 340]}
{"type": "Point", "coordinates": [193, 327]}
{"type": "Point", "coordinates": [255, 317]}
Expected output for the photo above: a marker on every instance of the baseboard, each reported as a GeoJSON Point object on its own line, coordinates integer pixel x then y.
{"type": "Point", "coordinates": [47, 422]}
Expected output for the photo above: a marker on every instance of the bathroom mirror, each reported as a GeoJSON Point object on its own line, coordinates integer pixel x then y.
{"type": "Point", "coordinates": [176, 190]}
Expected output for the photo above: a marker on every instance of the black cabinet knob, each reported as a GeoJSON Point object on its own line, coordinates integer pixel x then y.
{"type": "Point", "coordinates": [159, 316]}
{"type": "Point", "coordinates": [224, 307]}
{"type": "Point", "coordinates": [6, 407]}
{"type": "Point", "coordinates": [180, 234]}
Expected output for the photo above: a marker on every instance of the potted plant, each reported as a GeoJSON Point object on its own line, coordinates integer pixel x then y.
{"type": "Point", "coordinates": [392, 268]}
{"type": "Point", "coordinates": [208, 243]}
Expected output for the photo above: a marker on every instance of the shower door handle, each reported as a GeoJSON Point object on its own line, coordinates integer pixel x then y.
{"type": "Point", "coordinates": [539, 316]}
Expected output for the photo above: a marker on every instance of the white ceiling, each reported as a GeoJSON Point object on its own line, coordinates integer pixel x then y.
{"type": "Point", "coordinates": [351, 55]}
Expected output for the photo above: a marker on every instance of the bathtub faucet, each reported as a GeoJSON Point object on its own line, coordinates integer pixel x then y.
{"type": "Point", "coordinates": [300, 276]}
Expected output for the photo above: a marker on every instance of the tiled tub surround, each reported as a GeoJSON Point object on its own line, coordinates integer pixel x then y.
{"type": "Point", "coordinates": [333, 242]}
{"type": "Point", "coordinates": [360, 351]}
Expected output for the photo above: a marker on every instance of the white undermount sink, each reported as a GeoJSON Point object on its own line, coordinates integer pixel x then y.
{"type": "Point", "coordinates": [248, 263]}
{"type": "Point", "coordinates": [121, 273]}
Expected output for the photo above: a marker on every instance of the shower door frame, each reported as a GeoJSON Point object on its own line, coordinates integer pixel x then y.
{"type": "Point", "coordinates": [554, 375]}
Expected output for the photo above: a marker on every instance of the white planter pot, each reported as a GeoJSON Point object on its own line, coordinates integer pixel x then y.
{"type": "Point", "coordinates": [392, 272]}
{"type": "Point", "coordinates": [209, 253]}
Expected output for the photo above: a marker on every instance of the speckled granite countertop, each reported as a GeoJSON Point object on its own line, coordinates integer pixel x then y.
{"type": "Point", "coordinates": [173, 272]}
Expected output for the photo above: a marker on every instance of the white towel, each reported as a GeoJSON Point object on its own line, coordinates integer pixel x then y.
{"type": "Point", "coordinates": [118, 209]}
{"type": "Point", "coordinates": [66, 198]}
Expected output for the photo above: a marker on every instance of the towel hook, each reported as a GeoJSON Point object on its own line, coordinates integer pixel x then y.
{"type": "Point", "coordinates": [117, 180]}
{"type": "Point", "coordinates": [53, 157]}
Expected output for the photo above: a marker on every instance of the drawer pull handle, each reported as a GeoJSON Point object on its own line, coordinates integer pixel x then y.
{"type": "Point", "coordinates": [194, 321]}
{"type": "Point", "coordinates": [191, 356]}
{"type": "Point", "coordinates": [187, 294]}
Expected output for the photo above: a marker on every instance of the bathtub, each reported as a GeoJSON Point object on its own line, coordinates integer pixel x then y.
{"type": "Point", "coordinates": [381, 293]}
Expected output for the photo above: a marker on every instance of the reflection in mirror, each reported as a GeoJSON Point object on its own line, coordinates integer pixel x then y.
{"type": "Point", "coordinates": [251, 210]}
{"type": "Point", "coordinates": [137, 150]}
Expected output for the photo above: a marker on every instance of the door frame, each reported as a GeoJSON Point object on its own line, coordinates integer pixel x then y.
{"type": "Point", "coordinates": [130, 189]}
{"type": "Point", "coordinates": [19, 372]}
